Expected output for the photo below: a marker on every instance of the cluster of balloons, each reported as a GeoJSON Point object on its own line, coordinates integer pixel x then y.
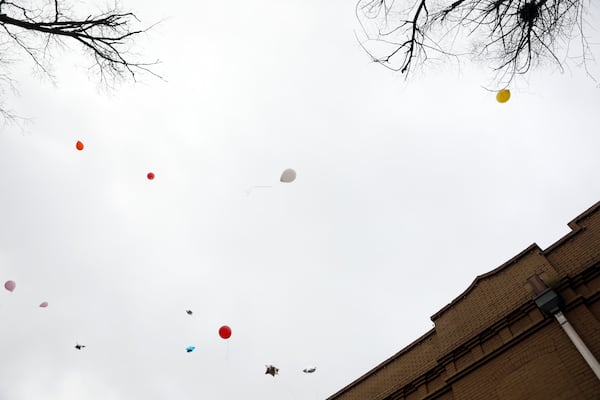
{"type": "Point", "coordinates": [79, 146]}
{"type": "Point", "coordinates": [273, 370]}
{"type": "Point", "coordinates": [224, 333]}
{"type": "Point", "coordinates": [288, 176]}
{"type": "Point", "coordinates": [12, 285]}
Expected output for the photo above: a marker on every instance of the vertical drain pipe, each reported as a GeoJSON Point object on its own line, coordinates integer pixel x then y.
{"type": "Point", "coordinates": [550, 302]}
{"type": "Point", "coordinates": [583, 349]}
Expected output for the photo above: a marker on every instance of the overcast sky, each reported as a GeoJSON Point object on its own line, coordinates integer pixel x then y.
{"type": "Point", "coordinates": [405, 192]}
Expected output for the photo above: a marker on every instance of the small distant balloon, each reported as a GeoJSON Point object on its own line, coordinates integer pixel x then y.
{"type": "Point", "coordinates": [288, 176]}
{"type": "Point", "coordinates": [225, 332]}
{"type": "Point", "coordinates": [309, 370]}
{"type": "Point", "coordinates": [189, 349]}
{"type": "Point", "coordinates": [189, 312]}
{"type": "Point", "coordinates": [79, 145]}
{"type": "Point", "coordinates": [44, 304]}
{"type": "Point", "coordinates": [10, 285]}
{"type": "Point", "coordinates": [503, 96]}
{"type": "Point", "coordinates": [79, 346]}
{"type": "Point", "coordinates": [271, 370]}
{"type": "Point", "coordinates": [150, 175]}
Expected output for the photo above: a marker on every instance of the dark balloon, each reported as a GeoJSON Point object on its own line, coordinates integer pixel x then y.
{"type": "Point", "coordinates": [271, 370]}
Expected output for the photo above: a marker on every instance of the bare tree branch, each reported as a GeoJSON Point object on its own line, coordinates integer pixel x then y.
{"type": "Point", "coordinates": [515, 34]}
{"type": "Point", "coordinates": [35, 26]}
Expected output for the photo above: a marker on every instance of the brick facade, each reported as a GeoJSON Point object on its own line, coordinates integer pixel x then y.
{"type": "Point", "coordinates": [493, 343]}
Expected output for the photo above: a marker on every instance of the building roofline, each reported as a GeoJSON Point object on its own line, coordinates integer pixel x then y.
{"type": "Point", "coordinates": [383, 364]}
{"type": "Point", "coordinates": [482, 277]}
{"type": "Point", "coordinates": [575, 228]}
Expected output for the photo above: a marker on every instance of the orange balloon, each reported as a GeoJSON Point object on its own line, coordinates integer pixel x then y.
{"type": "Point", "coordinates": [79, 145]}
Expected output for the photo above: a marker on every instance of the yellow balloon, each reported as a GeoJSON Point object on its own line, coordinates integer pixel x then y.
{"type": "Point", "coordinates": [503, 95]}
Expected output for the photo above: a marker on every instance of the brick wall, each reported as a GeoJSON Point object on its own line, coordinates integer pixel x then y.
{"type": "Point", "coordinates": [492, 342]}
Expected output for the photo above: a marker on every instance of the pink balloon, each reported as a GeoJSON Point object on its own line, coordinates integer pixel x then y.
{"type": "Point", "coordinates": [44, 304]}
{"type": "Point", "coordinates": [10, 285]}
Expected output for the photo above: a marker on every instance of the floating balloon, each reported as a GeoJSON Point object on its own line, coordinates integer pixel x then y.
{"type": "Point", "coordinates": [44, 304]}
{"type": "Point", "coordinates": [225, 332]}
{"type": "Point", "coordinates": [189, 312]}
{"type": "Point", "coordinates": [288, 176]}
{"type": "Point", "coordinates": [79, 145]}
{"type": "Point", "coordinates": [10, 285]}
{"type": "Point", "coordinates": [271, 370]}
{"type": "Point", "coordinates": [309, 370]}
{"type": "Point", "coordinates": [150, 175]}
{"type": "Point", "coordinates": [503, 96]}
{"type": "Point", "coordinates": [79, 346]}
{"type": "Point", "coordinates": [189, 349]}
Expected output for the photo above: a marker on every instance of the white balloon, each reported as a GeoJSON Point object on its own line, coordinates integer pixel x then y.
{"type": "Point", "coordinates": [288, 176]}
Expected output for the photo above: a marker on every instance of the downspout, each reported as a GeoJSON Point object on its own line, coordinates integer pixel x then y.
{"type": "Point", "coordinates": [583, 349]}
{"type": "Point", "coordinates": [550, 302]}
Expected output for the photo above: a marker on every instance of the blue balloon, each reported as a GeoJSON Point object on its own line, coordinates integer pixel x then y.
{"type": "Point", "coordinates": [189, 349]}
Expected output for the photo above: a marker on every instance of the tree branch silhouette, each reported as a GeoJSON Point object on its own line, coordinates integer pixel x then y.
{"type": "Point", "coordinates": [514, 35]}
{"type": "Point", "coordinates": [107, 37]}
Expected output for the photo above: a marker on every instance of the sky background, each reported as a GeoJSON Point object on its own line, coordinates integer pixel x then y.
{"type": "Point", "coordinates": [405, 192]}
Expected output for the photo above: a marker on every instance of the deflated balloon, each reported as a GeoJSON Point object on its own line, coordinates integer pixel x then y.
{"type": "Point", "coordinates": [10, 285]}
{"type": "Point", "coordinates": [271, 370]}
{"type": "Point", "coordinates": [288, 176]}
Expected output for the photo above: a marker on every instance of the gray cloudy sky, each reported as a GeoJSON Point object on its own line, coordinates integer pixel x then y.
{"type": "Point", "coordinates": [405, 192]}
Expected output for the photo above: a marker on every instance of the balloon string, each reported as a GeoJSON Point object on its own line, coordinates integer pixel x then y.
{"type": "Point", "coordinates": [249, 190]}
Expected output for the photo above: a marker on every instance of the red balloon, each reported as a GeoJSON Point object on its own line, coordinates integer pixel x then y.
{"type": "Point", "coordinates": [225, 332]}
{"type": "Point", "coordinates": [10, 285]}
{"type": "Point", "coordinates": [150, 175]}
{"type": "Point", "coordinates": [79, 145]}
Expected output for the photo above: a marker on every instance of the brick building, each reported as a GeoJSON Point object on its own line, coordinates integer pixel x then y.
{"type": "Point", "coordinates": [493, 342]}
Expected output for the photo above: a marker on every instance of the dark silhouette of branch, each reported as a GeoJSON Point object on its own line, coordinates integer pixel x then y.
{"type": "Point", "coordinates": [515, 34]}
{"type": "Point", "coordinates": [106, 37]}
